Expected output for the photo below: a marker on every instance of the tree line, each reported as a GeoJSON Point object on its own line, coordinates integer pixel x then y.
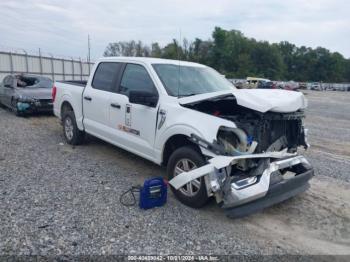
{"type": "Point", "coordinates": [237, 56]}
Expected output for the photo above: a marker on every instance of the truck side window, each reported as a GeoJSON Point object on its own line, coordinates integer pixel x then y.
{"type": "Point", "coordinates": [136, 78]}
{"type": "Point", "coordinates": [105, 76]}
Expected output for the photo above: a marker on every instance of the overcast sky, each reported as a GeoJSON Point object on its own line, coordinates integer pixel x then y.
{"type": "Point", "coordinates": [61, 26]}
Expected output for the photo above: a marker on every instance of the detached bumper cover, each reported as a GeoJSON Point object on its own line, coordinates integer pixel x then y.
{"type": "Point", "coordinates": [269, 184]}
{"type": "Point", "coordinates": [247, 190]}
{"type": "Point", "coordinates": [277, 193]}
{"type": "Point", "coordinates": [220, 162]}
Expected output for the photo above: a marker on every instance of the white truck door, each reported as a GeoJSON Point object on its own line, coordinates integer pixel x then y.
{"type": "Point", "coordinates": [96, 98]}
{"type": "Point", "coordinates": [135, 124]}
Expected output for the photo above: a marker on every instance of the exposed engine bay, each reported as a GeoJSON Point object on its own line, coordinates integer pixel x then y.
{"type": "Point", "coordinates": [272, 131]}
{"type": "Point", "coordinates": [254, 157]}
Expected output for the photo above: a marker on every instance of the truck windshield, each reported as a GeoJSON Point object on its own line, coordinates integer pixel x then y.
{"type": "Point", "coordinates": [183, 81]}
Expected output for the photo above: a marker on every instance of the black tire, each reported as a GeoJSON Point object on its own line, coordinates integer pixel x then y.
{"type": "Point", "coordinates": [188, 152]}
{"type": "Point", "coordinates": [73, 136]}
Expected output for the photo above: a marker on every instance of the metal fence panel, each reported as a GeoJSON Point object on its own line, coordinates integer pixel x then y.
{"type": "Point", "coordinates": [19, 63]}
{"type": "Point", "coordinates": [77, 70]}
{"type": "Point", "coordinates": [86, 70]}
{"type": "Point", "coordinates": [5, 63]}
{"type": "Point", "coordinates": [34, 65]}
{"type": "Point", "coordinates": [58, 66]}
{"type": "Point", "coordinates": [68, 67]}
{"type": "Point", "coordinates": [46, 65]}
{"type": "Point", "coordinates": [59, 77]}
{"type": "Point", "coordinates": [53, 67]}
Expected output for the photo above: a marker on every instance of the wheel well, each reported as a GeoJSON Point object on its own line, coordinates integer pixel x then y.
{"type": "Point", "coordinates": [13, 99]}
{"type": "Point", "coordinates": [174, 143]}
{"type": "Point", "coordinates": [66, 106]}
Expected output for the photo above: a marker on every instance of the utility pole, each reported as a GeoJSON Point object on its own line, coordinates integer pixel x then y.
{"type": "Point", "coordinates": [89, 49]}
{"type": "Point", "coordinates": [40, 62]}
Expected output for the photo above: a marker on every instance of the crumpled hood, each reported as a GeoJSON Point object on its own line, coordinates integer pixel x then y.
{"type": "Point", "coordinates": [36, 93]}
{"type": "Point", "coordinates": [261, 100]}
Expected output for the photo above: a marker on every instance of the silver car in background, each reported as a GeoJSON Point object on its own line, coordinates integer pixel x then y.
{"type": "Point", "coordinates": [26, 94]}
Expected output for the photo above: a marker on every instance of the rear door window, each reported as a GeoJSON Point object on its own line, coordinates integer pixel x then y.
{"type": "Point", "coordinates": [106, 76]}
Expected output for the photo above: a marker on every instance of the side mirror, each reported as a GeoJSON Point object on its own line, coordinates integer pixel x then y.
{"type": "Point", "coordinates": [143, 98]}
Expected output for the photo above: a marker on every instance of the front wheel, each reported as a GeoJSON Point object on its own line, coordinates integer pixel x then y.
{"type": "Point", "coordinates": [194, 193]}
{"type": "Point", "coordinates": [70, 129]}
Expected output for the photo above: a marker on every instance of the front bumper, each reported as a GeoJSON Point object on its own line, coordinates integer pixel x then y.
{"type": "Point", "coordinates": [249, 189]}
{"type": "Point", "coordinates": [279, 176]}
{"type": "Point", "coordinates": [34, 106]}
{"type": "Point", "coordinates": [277, 193]}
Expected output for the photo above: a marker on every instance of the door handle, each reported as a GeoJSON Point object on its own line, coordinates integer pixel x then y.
{"type": "Point", "coordinates": [115, 105]}
{"type": "Point", "coordinates": [87, 98]}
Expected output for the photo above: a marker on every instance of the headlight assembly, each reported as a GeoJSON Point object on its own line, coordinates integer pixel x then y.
{"type": "Point", "coordinates": [25, 99]}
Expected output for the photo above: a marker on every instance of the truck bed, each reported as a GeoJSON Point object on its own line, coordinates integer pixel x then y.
{"type": "Point", "coordinates": [72, 92]}
{"type": "Point", "coordinates": [75, 82]}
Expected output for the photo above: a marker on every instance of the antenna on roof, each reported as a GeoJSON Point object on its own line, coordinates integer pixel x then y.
{"type": "Point", "coordinates": [89, 50]}
{"type": "Point", "coordinates": [178, 59]}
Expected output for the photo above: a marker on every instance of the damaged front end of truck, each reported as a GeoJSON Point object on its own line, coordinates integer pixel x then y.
{"type": "Point", "coordinates": [256, 164]}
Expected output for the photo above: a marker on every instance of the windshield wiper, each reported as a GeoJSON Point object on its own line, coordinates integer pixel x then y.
{"type": "Point", "coordinates": [193, 94]}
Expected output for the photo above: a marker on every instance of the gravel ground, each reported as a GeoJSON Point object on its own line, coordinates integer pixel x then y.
{"type": "Point", "coordinates": [328, 121]}
{"type": "Point", "coordinates": [57, 199]}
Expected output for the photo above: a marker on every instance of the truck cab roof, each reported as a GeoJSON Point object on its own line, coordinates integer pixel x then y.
{"type": "Point", "coordinates": [149, 60]}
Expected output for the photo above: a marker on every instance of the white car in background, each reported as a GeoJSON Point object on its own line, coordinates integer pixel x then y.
{"type": "Point", "coordinates": [316, 86]}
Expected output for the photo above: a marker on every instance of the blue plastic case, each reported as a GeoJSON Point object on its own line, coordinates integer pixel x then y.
{"type": "Point", "coordinates": [153, 193]}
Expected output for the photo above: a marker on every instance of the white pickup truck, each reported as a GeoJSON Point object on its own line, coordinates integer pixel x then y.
{"type": "Point", "coordinates": [239, 146]}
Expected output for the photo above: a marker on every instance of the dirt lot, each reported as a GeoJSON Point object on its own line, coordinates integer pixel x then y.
{"type": "Point", "coordinates": [58, 199]}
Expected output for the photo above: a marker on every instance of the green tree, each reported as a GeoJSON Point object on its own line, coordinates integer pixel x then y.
{"type": "Point", "coordinates": [235, 55]}
{"type": "Point", "coordinates": [156, 51]}
{"type": "Point", "coordinates": [245, 66]}
{"type": "Point", "coordinates": [130, 48]}
{"type": "Point", "coordinates": [172, 51]}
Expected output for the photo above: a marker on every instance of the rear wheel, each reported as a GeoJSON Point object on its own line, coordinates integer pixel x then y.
{"type": "Point", "coordinates": [70, 129]}
{"type": "Point", "coordinates": [194, 193]}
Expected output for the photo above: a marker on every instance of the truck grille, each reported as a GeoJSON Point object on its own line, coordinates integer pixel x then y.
{"type": "Point", "coordinates": [289, 131]}
{"type": "Point", "coordinates": [273, 126]}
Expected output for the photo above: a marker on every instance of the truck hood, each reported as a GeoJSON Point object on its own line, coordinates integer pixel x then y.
{"type": "Point", "coordinates": [261, 100]}
{"type": "Point", "coordinates": [36, 93]}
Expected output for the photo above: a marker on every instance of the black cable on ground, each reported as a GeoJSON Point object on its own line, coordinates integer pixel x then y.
{"type": "Point", "coordinates": [132, 191]}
